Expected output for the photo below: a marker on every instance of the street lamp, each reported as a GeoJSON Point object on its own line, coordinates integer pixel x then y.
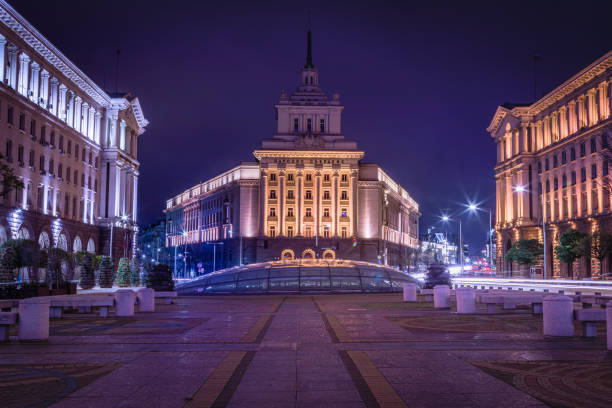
{"type": "Point", "coordinates": [214, 244]}
{"type": "Point", "coordinates": [473, 208]}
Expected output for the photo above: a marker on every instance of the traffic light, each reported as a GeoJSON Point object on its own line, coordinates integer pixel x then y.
{"type": "Point", "coordinates": [354, 240]}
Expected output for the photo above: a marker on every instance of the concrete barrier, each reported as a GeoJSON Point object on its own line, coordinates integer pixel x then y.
{"type": "Point", "coordinates": [410, 293]}
{"type": "Point", "coordinates": [441, 297]}
{"type": "Point", "coordinates": [146, 300]}
{"type": "Point", "coordinates": [609, 324]}
{"type": "Point", "coordinates": [124, 302]}
{"type": "Point", "coordinates": [34, 319]}
{"type": "Point", "coordinates": [558, 316]}
{"type": "Point", "coordinates": [466, 301]}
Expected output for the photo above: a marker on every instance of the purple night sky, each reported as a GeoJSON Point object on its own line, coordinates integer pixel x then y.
{"type": "Point", "coordinates": [420, 83]}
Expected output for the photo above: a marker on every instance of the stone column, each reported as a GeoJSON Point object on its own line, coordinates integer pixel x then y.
{"type": "Point", "coordinates": [70, 108]}
{"type": "Point", "coordinates": [84, 118]}
{"type": "Point", "coordinates": [135, 197]}
{"type": "Point", "coordinates": [24, 205]}
{"type": "Point", "coordinates": [354, 201]}
{"type": "Point", "coordinates": [76, 120]}
{"type": "Point", "coordinates": [60, 110]}
{"type": "Point", "coordinates": [334, 231]}
{"type": "Point", "coordinates": [24, 62]}
{"type": "Point", "coordinates": [300, 204]}
{"type": "Point", "coordinates": [263, 210]}
{"type": "Point", "coordinates": [281, 202]}
{"type": "Point", "coordinates": [122, 126]}
{"type": "Point", "coordinates": [90, 122]}
{"type": "Point", "coordinates": [96, 131]}
{"type": "Point", "coordinates": [317, 202]}
{"type": "Point", "coordinates": [44, 89]}
{"type": "Point", "coordinates": [12, 60]}
{"type": "Point", "coordinates": [55, 194]}
{"type": "Point", "coordinates": [45, 198]}
{"type": "Point", "coordinates": [2, 57]}
{"type": "Point", "coordinates": [34, 85]}
{"type": "Point", "coordinates": [112, 131]}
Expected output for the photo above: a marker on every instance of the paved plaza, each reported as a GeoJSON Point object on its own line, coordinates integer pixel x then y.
{"type": "Point", "coordinates": [305, 351]}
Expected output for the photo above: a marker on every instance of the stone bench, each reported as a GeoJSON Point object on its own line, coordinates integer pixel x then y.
{"type": "Point", "coordinates": [7, 319]}
{"type": "Point", "coordinates": [9, 305]}
{"type": "Point", "coordinates": [590, 300]}
{"type": "Point", "coordinates": [83, 302]}
{"type": "Point", "coordinates": [168, 296]}
{"type": "Point", "coordinates": [510, 302]}
{"type": "Point", "coordinates": [589, 319]}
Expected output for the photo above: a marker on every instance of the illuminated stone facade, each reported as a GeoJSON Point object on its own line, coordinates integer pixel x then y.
{"type": "Point", "coordinates": [556, 151]}
{"type": "Point", "coordinates": [73, 145]}
{"type": "Point", "coordinates": [308, 195]}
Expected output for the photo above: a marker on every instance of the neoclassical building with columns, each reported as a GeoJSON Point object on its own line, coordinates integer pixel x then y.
{"type": "Point", "coordinates": [553, 163]}
{"type": "Point", "coordinates": [72, 144]}
{"type": "Point", "coordinates": [308, 195]}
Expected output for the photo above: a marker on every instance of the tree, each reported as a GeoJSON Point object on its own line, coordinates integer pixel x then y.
{"type": "Point", "coordinates": [86, 261]}
{"type": "Point", "coordinates": [9, 180]}
{"type": "Point", "coordinates": [9, 261]}
{"type": "Point", "coordinates": [106, 276]}
{"type": "Point", "coordinates": [571, 247]}
{"type": "Point", "coordinates": [28, 255]}
{"type": "Point", "coordinates": [601, 246]}
{"type": "Point", "coordinates": [525, 252]}
{"type": "Point", "coordinates": [135, 272]}
{"type": "Point", "coordinates": [160, 278]}
{"type": "Point", "coordinates": [55, 258]}
{"type": "Point", "coordinates": [437, 274]}
{"type": "Point", "coordinates": [123, 273]}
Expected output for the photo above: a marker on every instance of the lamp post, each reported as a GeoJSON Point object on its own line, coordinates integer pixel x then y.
{"type": "Point", "coordinates": [214, 244]}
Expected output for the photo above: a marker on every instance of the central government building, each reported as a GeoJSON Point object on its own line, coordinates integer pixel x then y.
{"type": "Point", "coordinates": [308, 195]}
{"type": "Point", "coordinates": [553, 163]}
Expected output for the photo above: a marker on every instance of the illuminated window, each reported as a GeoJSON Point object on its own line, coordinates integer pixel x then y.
{"type": "Point", "coordinates": [326, 212]}
{"type": "Point", "coordinates": [343, 213]}
{"type": "Point", "coordinates": [308, 195]}
{"type": "Point", "coordinates": [344, 195]}
{"type": "Point", "coordinates": [290, 231]}
{"type": "Point", "coordinates": [326, 195]}
{"type": "Point", "coordinates": [272, 194]}
{"type": "Point", "coordinates": [344, 232]}
{"type": "Point", "coordinates": [272, 212]}
{"type": "Point", "coordinates": [290, 212]}
{"type": "Point", "coordinates": [309, 212]}
{"type": "Point", "coordinates": [322, 125]}
{"type": "Point", "coordinates": [272, 231]}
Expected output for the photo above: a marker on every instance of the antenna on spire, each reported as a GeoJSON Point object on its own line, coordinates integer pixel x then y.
{"type": "Point", "coordinates": [309, 46]}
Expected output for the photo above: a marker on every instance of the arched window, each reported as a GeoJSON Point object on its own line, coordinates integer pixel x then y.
{"type": "Point", "coordinates": [62, 242]}
{"type": "Point", "coordinates": [91, 246]}
{"type": "Point", "coordinates": [77, 245]}
{"type": "Point", "coordinates": [23, 233]}
{"type": "Point", "coordinates": [43, 241]}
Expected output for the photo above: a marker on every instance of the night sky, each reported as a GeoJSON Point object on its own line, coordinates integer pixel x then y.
{"type": "Point", "coordinates": [419, 83]}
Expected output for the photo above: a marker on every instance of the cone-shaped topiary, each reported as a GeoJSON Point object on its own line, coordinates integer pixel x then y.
{"type": "Point", "coordinates": [160, 278]}
{"type": "Point", "coordinates": [135, 272]}
{"type": "Point", "coordinates": [85, 260]}
{"type": "Point", "coordinates": [106, 277]}
{"type": "Point", "coordinates": [437, 274]}
{"type": "Point", "coordinates": [8, 262]}
{"type": "Point", "coordinates": [123, 273]}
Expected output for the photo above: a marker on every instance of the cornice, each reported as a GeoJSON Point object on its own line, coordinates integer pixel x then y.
{"type": "Point", "coordinates": [309, 154]}
{"type": "Point", "coordinates": [32, 37]}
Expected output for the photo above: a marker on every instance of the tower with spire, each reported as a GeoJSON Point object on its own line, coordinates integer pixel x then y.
{"type": "Point", "coordinates": [308, 118]}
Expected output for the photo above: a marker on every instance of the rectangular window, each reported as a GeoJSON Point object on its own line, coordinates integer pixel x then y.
{"type": "Point", "coordinates": [60, 171]}
{"type": "Point", "coordinates": [20, 155]}
{"type": "Point", "coordinates": [9, 115]}
{"type": "Point", "coordinates": [31, 161]}
{"type": "Point", "coordinates": [593, 145]}
{"type": "Point", "coordinates": [605, 167]}
{"type": "Point", "coordinates": [43, 135]}
{"type": "Point", "coordinates": [593, 170]}
{"type": "Point", "coordinates": [564, 181]}
{"type": "Point", "coordinates": [344, 178]}
{"type": "Point", "coordinates": [75, 180]}
{"type": "Point", "coordinates": [583, 174]}
{"type": "Point", "coordinates": [309, 125]}
{"type": "Point", "coordinates": [573, 153]}
{"type": "Point", "coordinates": [539, 167]}
{"type": "Point", "coordinates": [52, 139]}
{"type": "Point", "coordinates": [272, 231]}
{"type": "Point", "coordinates": [68, 173]}
{"type": "Point", "coordinates": [308, 212]}
{"type": "Point", "coordinates": [344, 195]}
{"type": "Point", "coordinates": [563, 157]}
{"type": "Point", "coordinates": [296, 124]}
{"type": "Point", "coordinates": [33, 128]}
{"type": "Point", "coordinates": [42, 163]}
{"type": "Point", "coordinates": [290, 231]}
{"type": "Point", "coordinates": [22, 121]}
{"type": "Point", "coordinates": [67, 205]}
{"type": "Point", "coordinates": [326, 212]}
{"type": "Point", "coordinates": [604, 141]}
{"type": "Point", "coordinates": [546, 165]}
{"type": "Point", "coordinates": [555, 162]}
{"type": "Point", "coordinates": [326, 195]}
{"type": "Point", "coordinates": [273, 194]}
{"type": "Point", "coordinates": [344, 232]}
{"type": "Point", "coordinates": [272, 212]}
{"type": "Point", "coordinates": [573, 178]}
{"type": "Point", "coordinates": [289, 212]}
{"type": "Point", "coordinates": [273, 177]}
{"type": "Point", "coordinates": [308, 195]}
{"type": "Point", "coordinates": [61, 143]}
{"type": "Point", "coordinates": [540, 188]}
{"type": "Point", "coordinates": [548, 186]}
{"type": "Point", "coordinates": [83, 155]}
{"type": "Point", "coordinates": [51, 166]}
{"type": "Point", "coordinates": [69, 150]}
{"type": "Point", "coordinates": [322, 126]}
{"type": "Point", "coordinates": [556, 184]}
{"type": "Point", "coordinates": [326, 232]}
{"type": "Point", "coordinates": [343, 213]}
{"type": "Point", "coordinates": [308, 177]}
{"type": "Point", "coordinates": [9, 151]}
{"type": "Point", "coordinates": [308, 232]}
{"type": "Point", "coordinates": [582, 149]}
{"type": "Point", "coordinates": [76, 151]}
{"type": "Point", "coordinates": [326, 177]}
{"type": "Point", "coordinates": [290, 177]}
{"type": "Point", "coordinates": [290, 195]}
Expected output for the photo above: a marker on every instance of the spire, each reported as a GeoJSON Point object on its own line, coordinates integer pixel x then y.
{"type": "Point", "coordinates": [309, 46]}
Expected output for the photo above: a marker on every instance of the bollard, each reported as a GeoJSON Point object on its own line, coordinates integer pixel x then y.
{"type": "Point", "coordinates": [442, 297]}
{"type": "Point", "coordinates": [410, 294]}
{"type": "Point", "coordinates": [609, 324]}
{"type": "Point", "coordinates": [146, 299]}
{"type": "Point", "coordinates": [546, 290]}
{"type": "Point", "coordinates": [34, 319]}
{"type": "Point", "coordinates": [561, 292]}
{"type": "Point", "coordinates": [558, 316]}
{"type": "Point", "coordinates": [520, 289]}
{"type": "Point", "coordinates": [466, 301]}
{"type": "Point", "coordinates": [124, 302]}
